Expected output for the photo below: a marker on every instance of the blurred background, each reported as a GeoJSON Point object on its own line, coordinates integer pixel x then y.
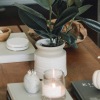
{"type": "Point", "coordinates": [9, 14]}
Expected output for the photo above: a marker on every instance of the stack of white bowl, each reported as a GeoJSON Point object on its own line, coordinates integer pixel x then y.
{"type": "Point", "coordinates": [17, 44]}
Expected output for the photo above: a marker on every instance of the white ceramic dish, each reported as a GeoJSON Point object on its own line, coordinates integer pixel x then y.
{"type": "Point", "coordinates": [17, 44]}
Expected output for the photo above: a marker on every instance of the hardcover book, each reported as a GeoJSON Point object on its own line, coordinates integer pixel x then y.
{"type": "Point", "coordinates": [16, 91]}
{"type": "Point", "coordinates": [85, 90]}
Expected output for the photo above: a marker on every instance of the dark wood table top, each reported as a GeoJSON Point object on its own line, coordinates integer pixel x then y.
{"type": "Point", "coordinates": [81, 63]}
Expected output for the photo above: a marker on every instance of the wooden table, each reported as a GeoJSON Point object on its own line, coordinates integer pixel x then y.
{"type": "Point", "coordinates": [81, 63]}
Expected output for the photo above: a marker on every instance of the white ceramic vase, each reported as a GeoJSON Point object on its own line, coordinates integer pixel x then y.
{"type": "Point", "coordinates": [31, 82]}
{"type": "Point", "coordinates": [49, 58]}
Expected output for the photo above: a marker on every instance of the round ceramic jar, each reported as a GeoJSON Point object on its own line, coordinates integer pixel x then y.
{"type": "Point", "coordinates": [46, 58]}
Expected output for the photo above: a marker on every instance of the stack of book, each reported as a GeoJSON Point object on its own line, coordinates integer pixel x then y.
{"type": "Point", "coordinates": [16, 91]}
{"type": "Point", "coordinates": [85, 90]}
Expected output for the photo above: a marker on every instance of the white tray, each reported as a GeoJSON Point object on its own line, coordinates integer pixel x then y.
{"type": "Point", "coordinates": [7, 56]}
{"type": "Point", "coordinates": [17, 92]}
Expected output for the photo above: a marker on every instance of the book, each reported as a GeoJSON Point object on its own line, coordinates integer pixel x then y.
{"type": "Point", "coordinates": [85, 90]}
{"type": "Point", "coordinates": [16, 91]}
{"type": "Point", "coordinates": [7, 56]}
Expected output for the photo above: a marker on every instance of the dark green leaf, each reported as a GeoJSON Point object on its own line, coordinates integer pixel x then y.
{"type": "Point", "coordinates": [70, 2]}
{"type": "Point", "coordinates": [30, 10]}
{"type": "Point", "coordinates": [45, 34]}
{"type": "Point", "coordinates": [66, 16]}
{"type": "Point", "coordinates": [59, 6]}
{"type": "Point", "coordinates": [94, 25]}
{"type": "Point", "coordinates": [45, 3]}
{"type": "Point", "coordinates": [83, 9]}
{"type": "Point", "coordinates": [57, 31]}
{"type": "Point", "coordinates": [56, 2]}
{"type": "Point", "coordinates": [73, 41]}
{"type": "Point", "coordinates": [32, 21]}
{"type": "Point", "coordinates": [66, 37]}
{"type": "Point", "coordinates": [78, 3]}
{"type": "Point", "coordinates": [65, 20]}
{"type": "Point", "coordinates": [74, 45]}
{"type": "Point", "coordinates": [42, 33]}
{"type": "Point", "coordinates": [70, 39]}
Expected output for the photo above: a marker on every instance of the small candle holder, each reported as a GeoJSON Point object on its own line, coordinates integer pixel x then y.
{"type": "Point", "coordinates": [53, 85]}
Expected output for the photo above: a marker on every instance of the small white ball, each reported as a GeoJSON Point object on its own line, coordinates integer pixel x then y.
{"type": "Point", "coordinates": [96, 79]}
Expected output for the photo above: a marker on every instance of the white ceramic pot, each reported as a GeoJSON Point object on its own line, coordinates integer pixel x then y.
{"type": "Point", "coordinates": [49, 58]}
{"type": "Point", "coordinates": [31, 82]}
{"type": "Point", "coordinates": [96, 79]}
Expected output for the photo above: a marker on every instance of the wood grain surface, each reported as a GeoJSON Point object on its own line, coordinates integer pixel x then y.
{"type": "Point", "coordinates": [81, 63]}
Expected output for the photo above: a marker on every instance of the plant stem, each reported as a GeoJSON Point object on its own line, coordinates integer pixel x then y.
{"type": "Point", "coordinates": [50, 24]}
{"type": "Point", "coordinates": [50, 14]}
{"type": "Point", "coordinates": [57, 42]}
{"type": "Point", "coordinates": [67, 3]}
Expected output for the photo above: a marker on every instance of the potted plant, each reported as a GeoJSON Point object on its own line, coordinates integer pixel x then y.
{"type": "Point", "coordinates": [43, 26]}
{"type": "Point", "coordinates": [65, 12]}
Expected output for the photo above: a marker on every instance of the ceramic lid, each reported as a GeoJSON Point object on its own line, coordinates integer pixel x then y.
{"type": "Point", "coordinates": [17, 43]}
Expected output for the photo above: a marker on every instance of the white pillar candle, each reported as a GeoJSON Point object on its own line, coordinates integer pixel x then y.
{"type": "Point", "coordinates": [53, 90]}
